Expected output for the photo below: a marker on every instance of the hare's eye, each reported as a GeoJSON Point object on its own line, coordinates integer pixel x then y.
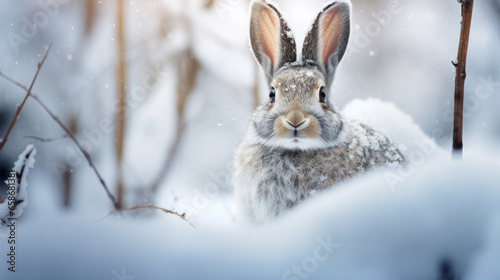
{"type": "Point", "coordinates": [322, 95]}
{"type": "Point", "coordinates": [272, 95]}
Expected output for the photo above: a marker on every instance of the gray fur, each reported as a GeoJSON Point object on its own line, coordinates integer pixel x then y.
{"type": "Point", "coordinates": [270, 180]}
{"type": "Point", "coordinates": [277, 165]}
{"type": "Point", "coordinates": [299, 79]}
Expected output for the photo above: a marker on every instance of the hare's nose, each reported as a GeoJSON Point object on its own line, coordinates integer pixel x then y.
{"type": "Point", "coordinates": [296, 125]}
{"type": "Point", "coordinates": [295, 117]}
{"type": "Point", "coordinates": [296, 120]}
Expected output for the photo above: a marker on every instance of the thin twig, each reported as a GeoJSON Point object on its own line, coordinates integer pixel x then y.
{"type": "Point", "coordinates": [45, 140]}
{"type": "Point", "coordinates": [120, 87]}
{"type": "Point", "coordinates": [460, 67]}
{"type": "Point", "coordinates": [187, 68]}
{"type": "Point", "coordinates": [182, 216]}
{"type": "Point", "coordinates": [70, 135]}
{"type": "Point", "coordinates": [28, 93]}
{"type": "Point", "coordinates": [172, 153]}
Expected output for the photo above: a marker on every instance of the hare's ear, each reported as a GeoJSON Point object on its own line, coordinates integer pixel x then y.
{"type": "Point", "coordinates": [272, 41]}
{"type": "Point", "coordinates": [326, 42]}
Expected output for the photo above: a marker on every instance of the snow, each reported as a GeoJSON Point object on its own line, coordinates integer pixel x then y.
{"type": "Point", "coordinates": [393, 122]}
{"type": "Point", "coordinates": [485, 262]}
{"type": "Point", "coordinates": [447, 211]}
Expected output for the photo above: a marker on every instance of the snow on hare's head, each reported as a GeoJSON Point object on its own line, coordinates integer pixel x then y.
{"type": "Point", "coordinates": [299, 114]}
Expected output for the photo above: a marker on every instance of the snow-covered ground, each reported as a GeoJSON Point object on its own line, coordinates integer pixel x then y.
{"type": "Point", "coordinates": [408, 223]}
{"type": "Point", "coordinates": [443, 212]}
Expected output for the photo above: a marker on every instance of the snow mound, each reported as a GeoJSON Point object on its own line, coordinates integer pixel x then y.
{"type": "Point", "coordinates": [438, 216]}
{"type": "Point", "coordinates": [440, 219]}
{"type": "Point", "coordinates": [485, 262]}
{"type": "Point", "coordinates": [417, 148]}
{"type": "Point", "coordinates": [390, 120]}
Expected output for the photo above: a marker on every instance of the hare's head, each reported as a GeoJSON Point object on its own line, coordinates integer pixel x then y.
{"type": "Point", "coordinates": [299, 114]}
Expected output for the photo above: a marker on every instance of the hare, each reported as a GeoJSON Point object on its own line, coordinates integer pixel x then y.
{"type": "Point", "coordinates": [298, 143]}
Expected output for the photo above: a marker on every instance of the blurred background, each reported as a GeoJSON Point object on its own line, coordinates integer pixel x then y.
{"type": "Point", "coordinates": [160, 92]}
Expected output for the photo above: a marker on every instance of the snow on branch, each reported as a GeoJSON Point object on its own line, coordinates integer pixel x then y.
{"type": "Point", "coordinates": [17, 185]}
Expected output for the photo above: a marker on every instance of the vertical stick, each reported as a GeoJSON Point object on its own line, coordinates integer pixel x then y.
{"type": "Point", "coordinates": [120, 87]}
{"type": "Point", "coordinates": [460, 67]}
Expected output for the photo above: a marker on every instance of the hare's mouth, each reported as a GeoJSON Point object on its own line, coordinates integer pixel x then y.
{"type": "Point", "coordinates": [296, 129]}
{"type": "Point", "coordinates": [298, 143]}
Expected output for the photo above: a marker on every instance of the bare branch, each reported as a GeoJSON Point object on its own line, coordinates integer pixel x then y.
{"type": "Point", "coordinates": [28, 93]}
{"type": "Point", "coordinates": [70, 135]}
{"type": "Point", "coordinates": [182, 216]}
{"type": "Point", "coordinates": [467, 6]}
{"type": "Point", "coordinates": [45, 140]}
{"type": "Point", "coordinates": [121, 77]}
{"type": "Point", "coordinates": [188, 67]}
{"type": "Point", "coordinates": [172, 153]}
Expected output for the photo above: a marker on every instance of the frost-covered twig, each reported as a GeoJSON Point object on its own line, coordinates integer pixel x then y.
{"type": "Point", "coordinates": [20, 107]}
{"type": "Point", "coordinates": [182, 216]}
{"type": "Point", "coordinates": [17, 194]}
{"type": "Point", "coordinates": [460, 66]}
{"type": "Point", "coordinates": [70, 135]}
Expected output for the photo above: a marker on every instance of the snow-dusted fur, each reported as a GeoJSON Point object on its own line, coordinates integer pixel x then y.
{"type": "Point", "coordinates": [298, 144]}
{"type": "Point", "coordinates": [269, 180]}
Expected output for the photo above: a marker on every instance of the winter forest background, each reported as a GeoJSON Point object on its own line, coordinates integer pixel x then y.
{"type": "Point", "coordinates": [190, 85]}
